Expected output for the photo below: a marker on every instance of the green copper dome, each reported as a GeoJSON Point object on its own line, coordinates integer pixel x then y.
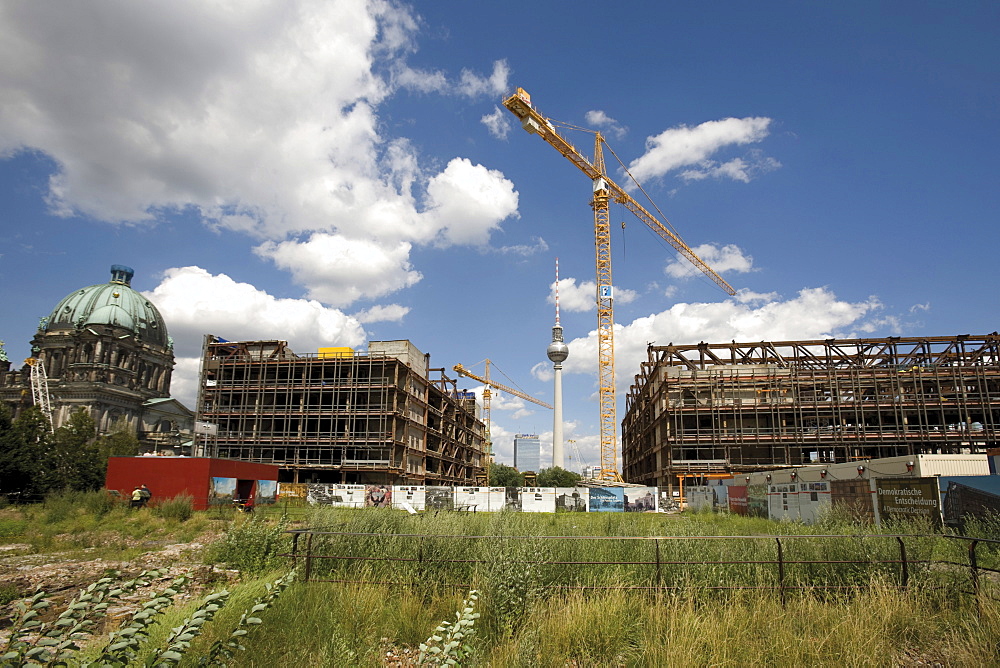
{"type": "Point", "coordinates": [113, 303]}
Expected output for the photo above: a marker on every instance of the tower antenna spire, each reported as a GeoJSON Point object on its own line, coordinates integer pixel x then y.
{"type": "Point", "coordinates": [557, 352]}
{"type": "Point", "coordinates": [557, 292]}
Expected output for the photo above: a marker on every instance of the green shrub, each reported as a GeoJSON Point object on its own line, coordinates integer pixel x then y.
{"type": "Point", "coordinates": [450, 642]}
{"type": "Point", "coordinates": [179, 508]}
{"type": "Point", "coordinates": [10, 527]}
{"type": "Point", "coordinates": [60, 506]}
{"type": "Point", "coordinates": [8, 593]}
{"type": "Point", "coordinates": [100, 503]}
{"type": "Point", "coordinates": [252, 545]}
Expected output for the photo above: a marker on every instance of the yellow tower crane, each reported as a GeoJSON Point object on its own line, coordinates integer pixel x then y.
{"type": "Point", "coordinates": [604, 190]}
{"type": "Point", "coordinates": [487, 392]}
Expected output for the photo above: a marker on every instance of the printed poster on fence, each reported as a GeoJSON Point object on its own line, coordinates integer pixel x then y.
{"type": "Point", "coordinates": [640, 499]}
{"type": "Point", "coordinates": [738, 499]}
{"type": "Point", "coordinates": [970, 497]}
{"type": "Point", "coordinates": [221, 491]}
{"type": "Point", "coordinates": [412, 495]}
{"type": "Point", "coordinates": [571, 499]}
{"type": "Point", "coordinates": [908, 498]}
{"type": "Point", "coordinates": [538, 499]}
{"type": "Point", "coordinates": [378, 496]}
{"type": "Point", "coordinates": [475, 499]}
{"type": "Point", "coordinates": [607, 500]}
{"type": "Point", "coordinates": [267, 492]}
{"type": "Point", "coordinates": [350, 496]}
{"type": "Point", "coordinates": [440, 498]}
{"type": "Point", "coordinates": [498, 498]}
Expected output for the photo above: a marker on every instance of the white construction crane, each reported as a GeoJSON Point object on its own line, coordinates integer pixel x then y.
{"type": "Point", "coordinates": [40, 389]}
{"type": "Point", "coordinates": [576, 456]}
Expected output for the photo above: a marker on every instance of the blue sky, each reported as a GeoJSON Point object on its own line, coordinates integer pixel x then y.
{"type": "Point", "coordinates": [334, 172]}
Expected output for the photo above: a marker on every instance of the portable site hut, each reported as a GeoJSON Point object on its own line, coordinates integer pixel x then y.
{"type": "Point", "coordinates": [209, 482]}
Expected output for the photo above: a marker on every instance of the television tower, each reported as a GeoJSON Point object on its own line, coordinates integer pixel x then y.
{"type": "Point", "coordinates": [557, 352]}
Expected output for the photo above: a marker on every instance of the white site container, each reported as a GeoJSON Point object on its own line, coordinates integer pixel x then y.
{"type": "Point", "coordinates": [915, 466]}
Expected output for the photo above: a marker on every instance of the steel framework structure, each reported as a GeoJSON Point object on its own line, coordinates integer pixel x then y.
{"type": "Point", "coordinates": [735, 407]}
{"type": "Point", "coordinates": [357, 418]}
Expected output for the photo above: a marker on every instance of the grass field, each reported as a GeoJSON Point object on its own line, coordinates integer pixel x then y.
{"type": "Point", "coordinates": [529, 614]}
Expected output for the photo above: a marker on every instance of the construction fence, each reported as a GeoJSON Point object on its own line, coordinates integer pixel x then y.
{"type": "Point", "coordinates": [780, 563]}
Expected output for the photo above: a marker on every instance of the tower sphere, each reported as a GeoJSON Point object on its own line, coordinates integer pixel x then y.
{"type": "Point", "coordinates": [557, 352]}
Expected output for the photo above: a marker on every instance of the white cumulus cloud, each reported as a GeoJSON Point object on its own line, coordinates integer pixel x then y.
{"type": "Point", "coordinates": [339, 270]}
{"type": "Point", "coordinates": [814, 313]}
{"type": "Point", "coordinates": [599, 119]}
{"type": "Point", "coordinates": [720, 258]}
{"type": "Point", "coordinates": [467, 84]}
{"type": "Point", "coordinates": [685, 146]}
{"type": "Point", "coordinates": [466, 202]}
{"type": "Point", "coordinates": [382, 313]}
{"type": "Point", "coordinates": [580, 297]}
{"type": "Point", "coordinates": [195, 302]}
{"type": "Point", "coordinates": [261, 117]}
{"type": "Point", "coordinates": [496, 123]}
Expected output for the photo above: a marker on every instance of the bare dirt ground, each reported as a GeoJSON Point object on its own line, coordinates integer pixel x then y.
{"type": "Point", "coordinates": [62, 576]}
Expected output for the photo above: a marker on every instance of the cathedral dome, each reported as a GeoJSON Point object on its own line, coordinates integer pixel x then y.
{"type": "Point", "coordinates": [113, 303]}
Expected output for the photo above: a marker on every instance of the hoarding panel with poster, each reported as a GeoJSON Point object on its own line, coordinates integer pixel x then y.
{"type": "Point", "coordinates": [267, 492]}
{"type": "Point", "coordinates": [640, 499]}
{"type": "Point", "coordinates": [571, 499]}
{"type": "Point", "coordinates": [412, 495]}
{"type": "Point", "coordinates": [908, 499]}
{"type": "Point", "coordinates": [607, 500]}
{"type": "Point", "coordinates": [738, 499]}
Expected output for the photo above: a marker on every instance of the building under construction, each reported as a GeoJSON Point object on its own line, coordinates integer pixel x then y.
{"type": "Point", "coordinates": [338, 416]}
{"type": "Point", "coordinates": [717, 409]}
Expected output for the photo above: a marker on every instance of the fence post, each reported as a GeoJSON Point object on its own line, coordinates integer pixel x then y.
{"type": "Point", "coordinates": [309, 544]}
{"type": "Point", "coordinates": [902, 558]}
{"type": "Point", "coordinates": [974, 568]}
{"type": "Point", "coordinates": [781, 571]}
{"type": "Point", "coordinates": [295, 550]}
{"type": "Point", "coordinates": [659, 580]}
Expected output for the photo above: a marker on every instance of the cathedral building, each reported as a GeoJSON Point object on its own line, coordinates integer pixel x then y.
{"type": "Point", "coordinates": [104, 348]}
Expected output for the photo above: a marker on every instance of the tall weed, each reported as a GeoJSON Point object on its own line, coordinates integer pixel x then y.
{"type": "Point", "coordinates": [101, 503]}
{"type": "Point", "coordinates": [179, 509]}
{"type": "Point", "coordinates": [251, 546]}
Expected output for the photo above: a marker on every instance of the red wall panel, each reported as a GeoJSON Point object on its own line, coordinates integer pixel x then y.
{"type": "Point", "coordinates": [168, 477]}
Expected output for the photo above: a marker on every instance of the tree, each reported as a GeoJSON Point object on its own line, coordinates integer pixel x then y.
{"type": "Point", "coordinates": [22, 444]}
{"type": "Point", "coordinates": [72, 460]}
{"type": "Point", "coordinates": [121, 441]}
{"type": "Point", "coordinates": [502, 475]}
{"type": "Point", "coordinates": [557, 477]}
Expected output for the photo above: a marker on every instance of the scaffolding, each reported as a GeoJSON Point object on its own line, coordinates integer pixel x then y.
{"type": "Point", "coordinates": [718, 409]}
{"type": "Point", "coordinates": [349, 418]}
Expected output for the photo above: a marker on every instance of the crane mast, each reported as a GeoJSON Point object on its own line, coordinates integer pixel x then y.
{"type": "Point", "coordinates": [604, 190]}
{"type": "Point", "coordinates": [40, 389]}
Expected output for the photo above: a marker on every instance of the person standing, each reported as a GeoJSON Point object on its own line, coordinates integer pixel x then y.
{"type": "Point", "coordinates": [146, 494]}
{"type": "Point", "coordinates": [136, 498]}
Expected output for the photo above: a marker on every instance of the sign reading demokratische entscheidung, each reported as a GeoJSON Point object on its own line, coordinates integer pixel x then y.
{"type": "Point", "coordinates": [908, 498]}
